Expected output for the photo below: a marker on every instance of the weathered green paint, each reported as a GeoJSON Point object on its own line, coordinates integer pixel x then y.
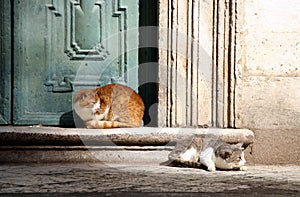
{"type": "Point", "coordinates": [5, 63]}
{"type": "Point", "coordinates": [57, 50]}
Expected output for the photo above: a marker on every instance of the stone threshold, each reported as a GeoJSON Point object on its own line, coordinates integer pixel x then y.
{"type": "Point", "coordinates": [143, 136]}
{"type": "Point", "coordinates": [109, 146]}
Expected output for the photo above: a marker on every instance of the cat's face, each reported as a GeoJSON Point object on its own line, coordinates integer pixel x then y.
{"type": "Point", "coordinates": [86, 104]}
{"type": "Point", "coordinates": [85, 98]}
{"type": "Point", "coordinates": [230, 156]}
{"type": "Point", "coordinates": [236, 158]}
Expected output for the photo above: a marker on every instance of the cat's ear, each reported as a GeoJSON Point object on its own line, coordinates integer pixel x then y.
{"type": "Point", "coordinates": [80, 95]}
{"type": "Point", "coordinates": [88, 94]}
{"type": "Point", "coordinates": [240, 145]}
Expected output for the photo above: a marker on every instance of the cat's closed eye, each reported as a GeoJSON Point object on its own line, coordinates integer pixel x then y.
{"type": "Point", "coordinates": [85, 95]}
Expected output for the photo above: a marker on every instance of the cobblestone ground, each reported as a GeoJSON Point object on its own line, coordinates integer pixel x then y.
{"type": "Point", "coordinates": [69, 179]}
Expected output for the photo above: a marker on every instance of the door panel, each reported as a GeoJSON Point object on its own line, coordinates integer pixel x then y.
{"type": "Point", "coordinates": [5, 63]}
{"type": "Point", "coordinates": [63, 46]}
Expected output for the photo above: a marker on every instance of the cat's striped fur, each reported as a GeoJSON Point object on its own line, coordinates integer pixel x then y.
{"type": "Point", "coordinates": [110, 106]}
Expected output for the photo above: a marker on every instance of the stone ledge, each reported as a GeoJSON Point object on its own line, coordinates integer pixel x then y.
{"type": "Point", "coordinates": [144, 136]}
{"type": "Point", "coordinates": [110, 146]}
{"type": "Point", "coordinates": [69, 154]}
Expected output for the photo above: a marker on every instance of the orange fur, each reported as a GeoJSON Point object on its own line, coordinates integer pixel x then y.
{"type": "Point", "coordinates": [110, 106]}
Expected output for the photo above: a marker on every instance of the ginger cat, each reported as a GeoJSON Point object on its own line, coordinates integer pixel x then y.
{"type": "Point", "coordinates": [110, 106]}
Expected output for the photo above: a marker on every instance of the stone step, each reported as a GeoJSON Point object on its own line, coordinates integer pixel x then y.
{"type": "Point", "coordinates": [144, 136]}
{"type": "Point", "coordinates": [109, 155]}
{"type": "Point", "coordinates": [110, 146]}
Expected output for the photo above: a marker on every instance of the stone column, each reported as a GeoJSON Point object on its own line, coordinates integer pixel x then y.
{"type": "Point", "coordinates": [196, 63]}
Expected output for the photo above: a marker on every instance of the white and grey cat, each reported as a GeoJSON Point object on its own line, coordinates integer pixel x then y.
{"type": "Point", "coordinates": [208, 150]}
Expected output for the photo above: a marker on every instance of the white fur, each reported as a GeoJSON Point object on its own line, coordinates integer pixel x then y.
{"type": "Point", "coordinates": [190, 155]}
{"type": "Point", "coordinates": [89, 113]}
{"type": "Point", "coordinates": [221, 163]}
{"type": "Point", "coordinates": [96, 107]}
{"type": "Point", "coordinates": [84, 113]}
{"type": "Point", "coordinates": [102, 116]}
{"type": "Point", "coordinates": [243, 160]}
{"type": "Point", "coordinates": [207, 158]}
{"type": "Point", "coordinates": [99, 116]}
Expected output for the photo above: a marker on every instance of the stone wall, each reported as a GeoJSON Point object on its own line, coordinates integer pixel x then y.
{"type": "Point", "coordinates": [269, 92]}
{"type": "Point", "coordinates": [268, 82]}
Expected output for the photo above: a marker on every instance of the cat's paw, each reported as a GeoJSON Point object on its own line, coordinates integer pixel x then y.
{"type": "Point", "coordinates": [243, 168]}
{"type": "Point", "coordinates": [211, 168]}
{"type": "Point", "coordinates": [90, 124]}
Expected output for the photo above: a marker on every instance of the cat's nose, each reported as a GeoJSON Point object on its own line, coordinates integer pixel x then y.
{"type": "Point", "coordinates": [96, 110]}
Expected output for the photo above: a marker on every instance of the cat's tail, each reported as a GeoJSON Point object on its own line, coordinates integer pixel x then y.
{"type": "Point", "coordinates": [108, 125]}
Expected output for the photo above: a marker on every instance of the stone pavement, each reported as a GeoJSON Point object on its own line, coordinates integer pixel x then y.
{"type": "Point", "coordinates": [76, 179]}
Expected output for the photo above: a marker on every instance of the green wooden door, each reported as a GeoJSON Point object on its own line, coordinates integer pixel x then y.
{"type": "Point", "coordinates": [62, 46]}
{"type": "Point", "coordinates": [5, 63]}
